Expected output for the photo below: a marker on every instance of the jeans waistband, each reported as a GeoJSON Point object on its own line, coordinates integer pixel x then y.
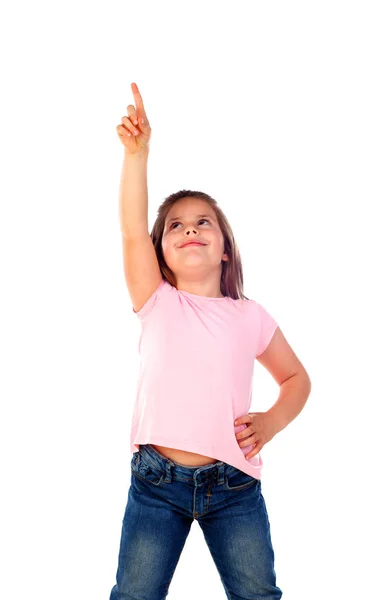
{"type": "Point", "coordinates": [218, 469]}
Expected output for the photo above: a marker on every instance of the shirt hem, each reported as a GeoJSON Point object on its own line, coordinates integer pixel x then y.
{"type": "Point", "coordinates": [242, 463]}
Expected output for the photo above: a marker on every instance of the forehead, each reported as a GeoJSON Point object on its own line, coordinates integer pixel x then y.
{"type": "Point", "coordinates": [188, 207]}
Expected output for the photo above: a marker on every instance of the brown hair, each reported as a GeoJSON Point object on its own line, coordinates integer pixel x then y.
{"type": "Point", "coordinates": [231, 282]}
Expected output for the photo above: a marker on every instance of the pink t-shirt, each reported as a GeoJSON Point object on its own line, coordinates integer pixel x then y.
{"type": "Point", "coordinates": [197, 360]}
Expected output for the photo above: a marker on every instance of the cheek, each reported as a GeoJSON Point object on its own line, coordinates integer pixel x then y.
{"type": "Point", "coordinates": [166, 246]}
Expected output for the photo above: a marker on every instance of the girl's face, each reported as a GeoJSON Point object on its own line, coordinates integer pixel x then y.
{"type": "Point", "coordinates": [193, 219]}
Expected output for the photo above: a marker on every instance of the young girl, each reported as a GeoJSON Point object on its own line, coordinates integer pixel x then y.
{"type": "Point", "coordinates": [195, 448]}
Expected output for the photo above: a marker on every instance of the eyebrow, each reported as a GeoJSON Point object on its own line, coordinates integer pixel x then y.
{"type": "Point", "coordinates": [178, 218]}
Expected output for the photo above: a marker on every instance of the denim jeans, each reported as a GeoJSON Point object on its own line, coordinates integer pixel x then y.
{"type": "Point", "coordinates": [164, 498]}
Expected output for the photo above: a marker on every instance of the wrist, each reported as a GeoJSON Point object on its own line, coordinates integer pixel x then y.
{"type": "Point", "coordinates": [276, 419]}
{"type": "Point", "coordinates": [137, 156]}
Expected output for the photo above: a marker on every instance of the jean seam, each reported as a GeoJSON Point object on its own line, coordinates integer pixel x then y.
{"type": "Point", "coordinates": [146, 480]}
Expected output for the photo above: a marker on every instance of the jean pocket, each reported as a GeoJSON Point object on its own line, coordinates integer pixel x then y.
{"type": "Point", "coordinates": [145, 471]}
{"type": "Point", "coordinates": [238, 480]}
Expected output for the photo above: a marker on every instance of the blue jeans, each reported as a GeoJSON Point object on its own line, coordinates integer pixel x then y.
{"type": "Point", "coordinates": [164, 498]}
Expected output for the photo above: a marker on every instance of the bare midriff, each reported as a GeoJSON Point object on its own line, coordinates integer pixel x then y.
{"type": "Point", "coordinates": [188, 459]}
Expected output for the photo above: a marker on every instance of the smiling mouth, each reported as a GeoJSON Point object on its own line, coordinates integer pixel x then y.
{"type": "Point", "coordinates": [192, 244]}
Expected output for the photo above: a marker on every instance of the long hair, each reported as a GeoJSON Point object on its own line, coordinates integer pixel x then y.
{"type": "Point", "coordinates": [231, 282]}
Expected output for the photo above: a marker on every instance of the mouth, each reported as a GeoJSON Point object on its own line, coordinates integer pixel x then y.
{"type": "Point", "coordinates": [192, 244]}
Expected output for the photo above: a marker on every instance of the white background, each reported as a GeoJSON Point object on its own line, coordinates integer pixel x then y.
{"type": "Point", "coordinates": [274, 109]}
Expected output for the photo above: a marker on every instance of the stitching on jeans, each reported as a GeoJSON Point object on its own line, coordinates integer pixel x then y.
{"type": "Point", "coordinates": [147, 480]}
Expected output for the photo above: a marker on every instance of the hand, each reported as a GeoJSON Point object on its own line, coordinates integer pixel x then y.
{"type": "Point", "coordinates": [261, 429]}
{"type": "Point", "coordinates": [133, 123]}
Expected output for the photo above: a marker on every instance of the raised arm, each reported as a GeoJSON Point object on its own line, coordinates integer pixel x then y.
{"type": "Point", "coordinates": [141, 267]}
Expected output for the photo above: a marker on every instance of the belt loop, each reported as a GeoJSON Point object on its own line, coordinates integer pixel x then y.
{"type": "Point", "coordinates": [220, 473]}
{"type": "Point", "coordinates": [168, 477]}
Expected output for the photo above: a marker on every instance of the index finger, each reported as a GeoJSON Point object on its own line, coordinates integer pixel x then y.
{"type": "Point", "coordinates": [138, 98]}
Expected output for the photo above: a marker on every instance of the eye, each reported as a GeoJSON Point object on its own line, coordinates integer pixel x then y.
{"type": "Point", "coordinates": [177, 222]}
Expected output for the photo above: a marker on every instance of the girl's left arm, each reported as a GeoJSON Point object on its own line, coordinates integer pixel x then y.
{"type": "Point", "coordinates": [286, 369]}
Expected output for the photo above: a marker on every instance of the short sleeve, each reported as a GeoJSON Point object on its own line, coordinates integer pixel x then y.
{"type": "Point", "coordinates": [268, 326]}
{"type": "Point", "coordinates": [150, 303]}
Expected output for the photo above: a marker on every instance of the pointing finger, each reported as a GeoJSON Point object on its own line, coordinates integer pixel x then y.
{"type": "Point", "coordinates": [138, 100]}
